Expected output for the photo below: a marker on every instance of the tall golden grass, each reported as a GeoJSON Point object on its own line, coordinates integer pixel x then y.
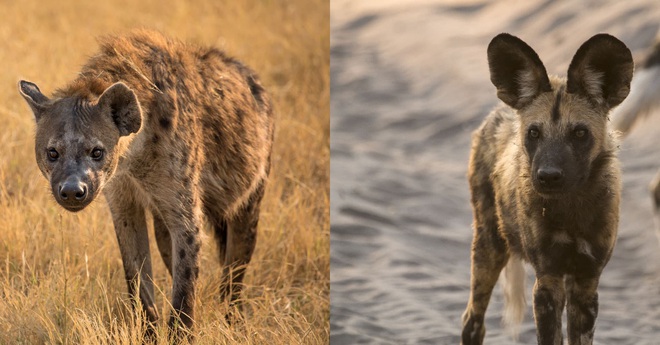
{"type": "Point", "coordinates": [61, 276]}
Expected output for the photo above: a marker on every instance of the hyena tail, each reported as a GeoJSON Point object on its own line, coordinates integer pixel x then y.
{"type": "Point", "coordinates": [513, 285]}
{"type": "Point", "coordinates": [643, 98]}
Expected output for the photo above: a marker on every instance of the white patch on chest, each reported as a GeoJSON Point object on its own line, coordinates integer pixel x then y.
{"type": "Point", "coordinates": [583, 247]}
{"type": "Point", "coordinates": [561, 237]}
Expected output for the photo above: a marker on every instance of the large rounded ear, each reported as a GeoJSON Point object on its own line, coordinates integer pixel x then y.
{"type": "Point", "coordinates": [33, 96]}
{"type": "Point", "coordinates": [122, 103]}
{"type": "Point", "coordinates": [601, 71]}
{"type": "Point", "coordinates": [516, 71]}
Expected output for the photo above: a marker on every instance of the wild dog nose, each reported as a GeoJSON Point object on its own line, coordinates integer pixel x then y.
{"type": "Point", "coordinates": [73, 189]}
{"type": "Point", "coordinates": [550, 176]}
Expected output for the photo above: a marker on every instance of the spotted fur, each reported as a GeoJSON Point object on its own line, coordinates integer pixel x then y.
{"type": "Point", "coordinates": [184, 131]}
{"type": "Point", "coordinates": [545, 185]}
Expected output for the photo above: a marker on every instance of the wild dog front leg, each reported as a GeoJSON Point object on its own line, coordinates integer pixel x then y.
{"type": "Point", "coordinates": [489, 256]}
{"type": "Point", "coordinates": [549, 299]}
{"type": "Point", "coordinates": [582, 309]}
{"type": "Point", "coordinates": [130, 224]}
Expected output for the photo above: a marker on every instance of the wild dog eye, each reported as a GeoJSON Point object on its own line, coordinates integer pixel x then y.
{"type": "Point", "coordinates": [533, 133]}
{"type": "Point", "coordinates": [97, 154]}
{"type": "Point", "coordinates": [580, 132]}
{"type": "Point", "coordinates": [52, 154]}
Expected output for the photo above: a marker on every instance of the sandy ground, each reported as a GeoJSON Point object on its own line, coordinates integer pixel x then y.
{"type": "Point", "coordinates": [409, 84]}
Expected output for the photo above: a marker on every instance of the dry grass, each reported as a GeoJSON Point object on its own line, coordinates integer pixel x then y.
{"type": "Point", "coordinates": [61, 277]}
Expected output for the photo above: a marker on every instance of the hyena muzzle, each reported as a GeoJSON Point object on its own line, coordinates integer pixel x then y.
{"type": "Point", "coordinates": [165, 128]}
{"type": "Point", "coordinates": [545, 185]}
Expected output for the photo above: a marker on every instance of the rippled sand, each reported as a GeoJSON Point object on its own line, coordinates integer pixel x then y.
{"type": "Point", "coordinates": [409, 84]}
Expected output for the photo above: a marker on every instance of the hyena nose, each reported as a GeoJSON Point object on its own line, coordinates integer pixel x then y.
{"type": "Point", "coordinates": [73, 190]}
{"type": "Point", "coordinates": [550, 176]}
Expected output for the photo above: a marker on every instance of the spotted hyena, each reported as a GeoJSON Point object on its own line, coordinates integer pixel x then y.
{"type": "Point", "coordinates": [545, 186]}
{"type": "Point", "coordinates": [164, 128]}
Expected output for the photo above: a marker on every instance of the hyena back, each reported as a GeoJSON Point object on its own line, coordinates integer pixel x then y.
{"type": "Point", "coordinates": [166, 128]}
{"type": "Point", "coordinates": [545, 186]}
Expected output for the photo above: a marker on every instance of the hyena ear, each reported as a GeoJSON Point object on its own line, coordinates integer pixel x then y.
{"type": "Point", "coordinates": [601, 71]}
{"type": "Point", "coordinates": [516, 71]}
{"type": "Point", "coordinates": [33, 96]}
{"type": "Point", "coordinates": [122, 103]}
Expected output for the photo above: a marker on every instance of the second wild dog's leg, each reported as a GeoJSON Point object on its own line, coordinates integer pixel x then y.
{"type": "Point", "coordinates": [655, 191]}
{"type": "Point", "coordinates": [655, 194]}
{"type": "Point", "coordinates": [582, 309]}
{"type": "Point", "coordinates": [489, 256]}
{"type": "Point", "coordinates": [549, 299]}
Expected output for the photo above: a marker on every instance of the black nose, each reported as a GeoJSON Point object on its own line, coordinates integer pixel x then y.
{"type": "Point", "coordinates": [73, 189]}
{"type": "Point", "coordinates": [550, 176]}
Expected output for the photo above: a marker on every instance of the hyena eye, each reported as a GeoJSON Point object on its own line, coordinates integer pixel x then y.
{"type": "Point", "coordinates": [97, 154]}
{"type": "Point", "coordinates": [580, 132]}
{"type": "Point", "coordinates": [533, 133]}
{"type": "Point", "coordinates": [52, 154]}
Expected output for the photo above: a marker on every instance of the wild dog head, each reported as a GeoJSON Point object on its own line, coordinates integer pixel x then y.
{"type": "Point", "coordinates": [563, 123]}
{"type": "Point", "coordinates": [77, 139]}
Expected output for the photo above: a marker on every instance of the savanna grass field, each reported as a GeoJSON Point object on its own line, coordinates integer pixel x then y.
{"type": "Point", "coordinates": [61, 275]}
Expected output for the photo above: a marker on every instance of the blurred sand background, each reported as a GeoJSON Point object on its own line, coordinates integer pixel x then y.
{"type": "Point", "coordinates": [409, 84]}
{"type": "Point", "coordinates": [61, 275]}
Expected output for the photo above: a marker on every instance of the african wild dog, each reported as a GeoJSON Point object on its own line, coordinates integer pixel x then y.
{"type": "Point", "coordinates": [166, 128]}
{"type": "Point", "coordinates": [545, 186]}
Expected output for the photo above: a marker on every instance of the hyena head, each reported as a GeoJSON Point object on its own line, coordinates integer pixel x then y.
{"type": "Point", "coordinates": [77, 139]}
{"type": "Point", "coordinates": [562, 123]}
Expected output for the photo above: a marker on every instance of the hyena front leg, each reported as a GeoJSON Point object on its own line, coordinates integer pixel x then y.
{"type": "Point", "coordinates": [549, 299]}
{"type": "Point", "coordinates": [241, 240]}
{"type": "Point", "coordinates": [489, 256]}
{"type": "Point", "coordinates": [582, 309]}
{"type": "Point", "coordinates": [183, 220]}
{"type": "Point", "coordinates": [129, 220]}
{"type": "Point", "coordinates": [163, 240]}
